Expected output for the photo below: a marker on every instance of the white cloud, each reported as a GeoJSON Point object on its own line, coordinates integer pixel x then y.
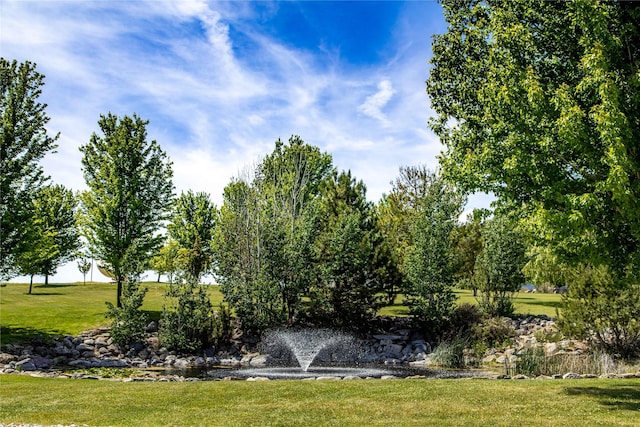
{"type": "Point", "coordinates": [374, 104]}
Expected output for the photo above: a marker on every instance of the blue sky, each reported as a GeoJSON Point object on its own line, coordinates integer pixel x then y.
{"type": "Point", "coordinates": [219, 82]}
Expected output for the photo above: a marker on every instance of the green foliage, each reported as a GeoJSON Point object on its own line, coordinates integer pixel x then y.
{"type": "Point", "coordinates": [166, 260]}
{"type": "Point", "coordinates": [130, 191]}
{"type": "Point", "coordinates": [499, 267]}
{"type": "Point", "coordinates": [539, 103]}
{"type": "Point", "coordinates": [450, 354]}
{"type": "Point", "coordinates": [84, 265]}
{"type": "Point", "coordinates": [467, 245]}
{"type": "Point", "coordinates": [347, 293]}
{"type": "Point", "coordinates": [23, 143]}
{"type": "Point", "coordinates": [129, 321]}
{"type": "Point", "coordinates": [186, 323]}
{"type": "Point", "coordinates": [192, 227]}
{"type": "Point", "coordinates": [54, 210]}
{"type": "Point", "coordinates": [604, 309]}
{"type": "Point", "coordinates": [255, 299]}
{"type": "Point", "coordinates": [533, 362]}
{"type": "Point", "coordinates": [429, 264]}
{"type": "Point", "coordinates": [493, 333]}
{"type": "Point", "coordinates": [222, 328]}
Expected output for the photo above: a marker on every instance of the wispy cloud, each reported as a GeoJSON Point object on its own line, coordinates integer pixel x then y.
{"type": "Point", "coordinates": [374, 104]}
{"type": "Point", "coordinates": [219, 84]}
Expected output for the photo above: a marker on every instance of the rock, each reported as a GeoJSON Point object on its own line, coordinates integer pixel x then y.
{"type": "Point", "coordinates": [25, 365]}
{"type": "Point", "coordinates": [351, 377]}
{"type": "Point", "coordinates": [7, 358]}
{"type": "Point", "coordinates": [152, 327]}
{"type": "Point", "coordinates": [388, 377]}
{"type": "Point", "coordinates": [261, 360]}
{"type": "Point", "coordinates": [85, 347]}
{"type": "Point", "coordinates": [571, 376]}
{"type": "Point", "coordinates": [550, 348]}
{"type": "Point", "coordinates": [327, 378]}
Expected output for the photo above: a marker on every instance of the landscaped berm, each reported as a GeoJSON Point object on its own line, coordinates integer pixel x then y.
{"type": "Point", "coordinates": [58, 377]}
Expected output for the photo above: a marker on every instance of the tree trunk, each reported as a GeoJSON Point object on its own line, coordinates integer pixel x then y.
{"type": "Point", "coordinates": [119, 293]}
{"type": "Point", "coordinates": [30, 284]}
{"type": "Point", "coordinates": [158, 277]}
{"type": "Point", "coordinates": [46, 279]}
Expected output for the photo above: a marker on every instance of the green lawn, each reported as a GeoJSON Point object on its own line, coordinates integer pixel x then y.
{"type": "Point", "coordinates": [30, 400]}
{"type": "Point", "coordinates": [534, 303]}
{"type": "Point", "coordinates": [70, 308]}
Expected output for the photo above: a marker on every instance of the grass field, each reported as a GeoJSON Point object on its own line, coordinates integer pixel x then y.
{"type": "Point", "coordinates": [329, 403]}
{"type": "Point", "coordinates": [68, 309]}
{"type": "Point", "coordinates": [532, 303]}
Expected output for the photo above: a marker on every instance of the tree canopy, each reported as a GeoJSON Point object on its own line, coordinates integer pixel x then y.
{"type": "Point", "coordinates": [539, 103]}
{"type": "Point", "coordinates": [24, 141]}
{"type": "Point", "coordinates": [130, 192]}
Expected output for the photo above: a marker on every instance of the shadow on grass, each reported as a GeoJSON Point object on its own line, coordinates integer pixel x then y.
{"type": "Point", "coordinates": [553, 304]}
{"type": "Point", "coordinates": [153, 314]}
{"type": "Point", "coordinates": [12, 335]}
{"type": "Point", "coordinates": [619, 397]}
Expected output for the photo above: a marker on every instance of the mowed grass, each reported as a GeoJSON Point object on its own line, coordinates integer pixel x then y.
{"type": "Point", "coordinates": [321, 403]}
{"type": "Point", "coordinates": [525, 303]}
{"type": "Point", "coordinates": [68, 309]}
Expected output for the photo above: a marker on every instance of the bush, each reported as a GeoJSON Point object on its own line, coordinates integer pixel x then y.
{"type": "Point", "coordinates": [493, 332]}
{"type": "Point", "coordinates": [533, 362]}
{"type": "Point", "coordinates": [604, 309]}
{"type": "Point", "coordinates": [186, 325]}
{"type": "Point", "coordinates": [450, 354]}
{"type": "Point", "coordinates": [222, 327]}
{"type": "Point", "coordinates": [129, 321]}
{"type": "Point", "coordinates": [464, 319]}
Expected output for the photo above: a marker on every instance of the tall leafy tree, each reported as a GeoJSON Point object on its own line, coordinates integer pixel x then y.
{"type": "Point", "coordinates": [347, 293]}
{"type": "Point", "coordinates": [291, 178]}
{"type": "Point", "coordinates": [498, 270]}
{"type": "Point", "coordinates": [430, 262]}
{"type": "Point", "coordinates": [24, 141]}
{"type": "Point", "coordinates": [192, 227]}
{"type": "Point", "coordinates": [130, 192]}
{"type": "Point", "coordinates": [166, 260]}
{"type": "Point", "coordinates": [240, 258]}
{"type": "Point", "coordinates": [55, 207]}
{"type": "Point", "coordinates": [539, 102]}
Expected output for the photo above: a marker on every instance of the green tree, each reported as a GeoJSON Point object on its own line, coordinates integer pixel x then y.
{"type": "Point", "coordinates": [192, 227]}
{"type": "Point", "coordinates": [36, 247]}
{"type": "Point", "coordinates": [55, 208]}
{"type": "Point", "coordinates": [290, 179]}
{"type": "Point", "coordinates": [499, 266]}
{"type": "Point", "coordinates": [84, 265]}
{"type": "Point", "coordinates": [347, 293]}
{"type": "Point", "coordinates": [23, 143]}
{"type": "Point", "coordinates": [429, 264]}
{"type": "Point", "coordinates": [539, 103]}
{"type": "Point", "coordinates": [467, 242]}
{"type": "Point", "coordinates": [166, 260]}
{"type": "Point", "coordinates": [266, 237]}
{"type": "Point", "coordinates": [240, 259]}
{"type": "Point", "coordinates": [130, 192]}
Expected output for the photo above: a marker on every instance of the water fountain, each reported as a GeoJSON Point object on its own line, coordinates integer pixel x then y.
{"type": "Point", "coordinates": [304, 346]}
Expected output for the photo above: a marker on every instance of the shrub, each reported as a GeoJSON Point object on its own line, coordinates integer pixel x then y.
{"type": "Point", "coordinates": [603, 307]}
{"type": "Point", "coordinates": [186, 324]}
{"type": "Point", "coordinates": [464, 319]}
{"type": "Point", "coordinates": [493, 332]}
{"type": "Point", "coordinates": [222, 327]}
{"type": "Point", "coordinates": [129, 321]}
{"type": "Point", "coordinates": [450, 354]}
{"type": "Point", "coordinates": [533, 362]}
